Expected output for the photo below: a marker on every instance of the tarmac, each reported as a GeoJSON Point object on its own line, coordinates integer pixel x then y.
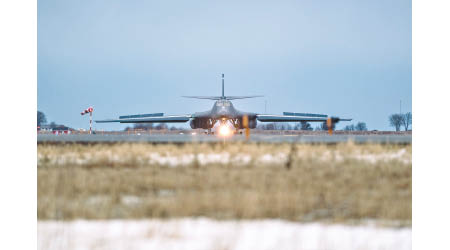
{"type": "Point", "coordinates": [202, 138]}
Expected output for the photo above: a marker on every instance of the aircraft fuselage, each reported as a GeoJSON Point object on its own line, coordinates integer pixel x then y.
{"type": "Point", "coordinates": [222, 111]}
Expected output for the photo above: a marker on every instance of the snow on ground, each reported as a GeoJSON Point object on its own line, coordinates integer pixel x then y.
{"type": "Point", "coordinates": [224, 158]}
{"type": "Point", "coordinates": [199, 234]}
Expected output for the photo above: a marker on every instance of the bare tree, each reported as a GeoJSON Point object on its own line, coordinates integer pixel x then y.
{"type": "Point", "coordinates": [407, 120]}
{"type": "Point", "coordinates": [361, 126]}
{"type": "Point", "coordinates": [161, 126]}
{"type": "Point", "coordinates": [396, 120]}
{"type": "Point", "coordinates": [305, 126]}
{"type": "Point", "coordinates": [277, 126]}
{"type": "Point", "coordinates": [143, 126]}
{"type": "Point", "coordinates": [280, 126]}
{"type": "Point", "coordinates": [41, 119]}
{"type": "Point", "coordinates": [288, 126]}
{"type": "Point", "coordinates": [349, 128]}
{"type": "Point", "coordinates": [53, 125]}
{"type": "Point", "coordinates": [270, 126]}
{"type": "Point", "coordinates": [324, 126]}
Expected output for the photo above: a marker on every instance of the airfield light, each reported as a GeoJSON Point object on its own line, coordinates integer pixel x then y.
{"type": "Point", "coordinates": [224, 131]}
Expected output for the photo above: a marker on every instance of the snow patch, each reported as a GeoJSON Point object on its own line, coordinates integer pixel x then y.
{"type": "Point", "coordinates": [223, 158]}
{"type": "Point", "coordinates": [198, 234]}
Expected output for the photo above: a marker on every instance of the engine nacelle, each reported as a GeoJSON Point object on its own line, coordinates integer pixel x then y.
{"type": "Point", "coordinates": [195, 123]}
{"type": "Point", "coordinates": [251, 123]}
{"type": "Point", "coordinates": [200, 123]}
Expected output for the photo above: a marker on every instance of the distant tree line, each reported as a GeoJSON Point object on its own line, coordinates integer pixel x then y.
{"type": "Point", "coordinates": [395, 120]}
{"type": "Point", "coordinates": [324, 127]}
{"type": "Point", "coordinates": [401, 120]}
{"type": "Point", "coordinates": [42, 121]}
{"type": "Point", "coordinates": [151, 126]}
{"type": "Point", "coordinates": [306, 126]}
{"type": "Point", "coordinates": [360, 126]}
{"type": "Point", "coordinates": [285, 126]}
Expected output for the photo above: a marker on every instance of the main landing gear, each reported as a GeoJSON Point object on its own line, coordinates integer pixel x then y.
{"type": "Point", "coordinates": [237, 131]}
{"type": "Point", "coordinates": [209, 132]}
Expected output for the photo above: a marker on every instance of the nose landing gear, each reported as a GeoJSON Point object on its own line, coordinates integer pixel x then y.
{"type": "Point", "coordinates": [209, 132]}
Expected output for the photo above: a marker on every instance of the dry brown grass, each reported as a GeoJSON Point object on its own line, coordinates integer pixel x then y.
{"type": "Point", "coordinates": [344, 182]}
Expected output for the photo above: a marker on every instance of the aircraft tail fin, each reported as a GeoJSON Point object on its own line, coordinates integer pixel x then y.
{"type": "Point", "coordinates": [223, 97]}
{"type": "Point", "coordinates": [223, 86]}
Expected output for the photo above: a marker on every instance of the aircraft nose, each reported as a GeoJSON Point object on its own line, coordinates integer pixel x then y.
{"type": "Point", "coordinates": [223, 111]}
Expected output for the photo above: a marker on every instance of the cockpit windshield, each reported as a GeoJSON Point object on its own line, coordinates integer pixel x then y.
{"type": "Point", "coordinates": [223, 103]}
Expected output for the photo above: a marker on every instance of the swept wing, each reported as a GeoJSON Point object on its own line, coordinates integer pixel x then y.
{"type": "Point", "coordinates": [298, 117]}
{"type": "Point", "coordinates": [148, 118]}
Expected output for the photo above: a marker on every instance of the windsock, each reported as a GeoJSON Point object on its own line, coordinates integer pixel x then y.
{"type": "Point", "coordinates": [88, 110]}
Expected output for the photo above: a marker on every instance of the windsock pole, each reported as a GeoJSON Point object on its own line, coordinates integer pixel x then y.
{"type": "Point", "coordinates": [90, 122]}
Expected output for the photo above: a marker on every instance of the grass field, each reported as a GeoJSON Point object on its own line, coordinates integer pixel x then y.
{"type": "Point", "coordinates": [332, 183]}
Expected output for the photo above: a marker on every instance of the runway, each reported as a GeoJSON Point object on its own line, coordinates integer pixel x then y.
{"type": "Point", "coordinates": [255, 138]}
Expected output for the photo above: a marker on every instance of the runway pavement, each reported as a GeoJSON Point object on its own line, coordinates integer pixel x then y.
{"type": "Point", "coordinates": [257, 138]}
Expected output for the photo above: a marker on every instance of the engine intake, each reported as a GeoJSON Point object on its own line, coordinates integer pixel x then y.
{"type": "Point", "coordinates": [201, 123]}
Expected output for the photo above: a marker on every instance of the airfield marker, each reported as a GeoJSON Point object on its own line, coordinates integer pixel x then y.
{"type": "Point", "coordinates": [247, 130]}
{"type": "Point", "coordinates": [329, 125]}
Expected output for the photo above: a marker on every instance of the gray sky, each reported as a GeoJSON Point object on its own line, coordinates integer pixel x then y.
{"type": "Point", "coordinates": [345, 58]}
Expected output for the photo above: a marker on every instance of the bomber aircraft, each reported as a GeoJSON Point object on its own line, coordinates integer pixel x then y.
{"type": "Point", "coordinates": [223, 112]}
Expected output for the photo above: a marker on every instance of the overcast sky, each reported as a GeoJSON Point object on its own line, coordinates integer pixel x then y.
{"type": "Point", "coordinates": [345, 58]}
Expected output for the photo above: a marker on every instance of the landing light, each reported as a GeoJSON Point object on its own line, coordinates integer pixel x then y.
{"type": "Point", "coordinates": [224, 131]}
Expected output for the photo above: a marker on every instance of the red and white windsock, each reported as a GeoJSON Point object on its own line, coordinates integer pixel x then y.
{"type": "Point", "coordinates": [88, 110]}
